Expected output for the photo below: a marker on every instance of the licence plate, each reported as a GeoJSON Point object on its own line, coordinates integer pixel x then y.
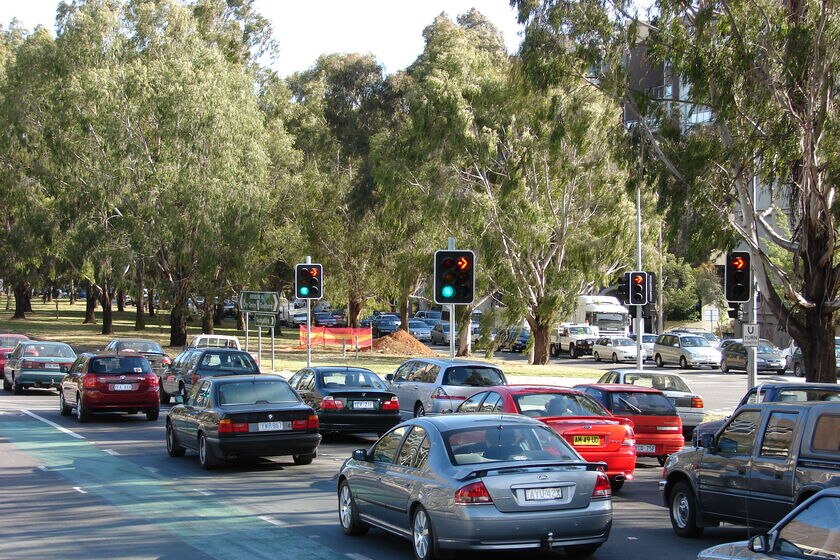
{"type": "Point", "coordinates": [123, 387]}
{"type": "Point", "coordinates": [587, 440]}
{"type": "Point", "coordinates": [369, 405]}
{"type": "Point", "coordinates": [51, 366]}
{"type": "Point", "coordinates": [273, 426]}
{"type": "Point", "coordinates": [645, 449]}
{"type": "Point", "coordinates": [537, 494]}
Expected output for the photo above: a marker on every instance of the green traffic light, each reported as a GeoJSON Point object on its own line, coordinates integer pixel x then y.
{"type": "Point", "coordinates": [304, 291]}
{"type": "Point", "coordinates": [447, 291]}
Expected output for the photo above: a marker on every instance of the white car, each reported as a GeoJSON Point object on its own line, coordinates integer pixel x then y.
{"type": "Point", "coordinates": [215, 341]}
{"type": "Point", "coordinates": [687, 350]}
{"type": "Point", "coordinates": [616, 348]}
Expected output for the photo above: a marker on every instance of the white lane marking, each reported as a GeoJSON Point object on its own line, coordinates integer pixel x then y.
{"type": "Point", "coordinates": [110, 452]}
{"type": "Point", "coordinates": [203, 492]}
{"type": "Point", "coordinates": [53, 424]}
{"type": "Point", "coordinates": [79, 490]}
{"type": "Point", "coordinates": [42, 468]}
{"type": "Point", "coordinates": [269, 519]}
{"type": "Point", "coordinates": [357, 556]}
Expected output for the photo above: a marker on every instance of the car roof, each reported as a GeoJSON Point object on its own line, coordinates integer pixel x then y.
{"type": "Point", "coordinates": [446, 422]}
{"type": "Point", "coordinates": [330, 369]}
{"type": "Point", "coordinates": [239, 378]}
{"type": "Point", "coordinates": [620, 387]}
{"type": "Point", "coordinates": [518, 389]}
{"type": "Point", "coordinates": [446, 362]}
{"type": "Point", "coordinates": [221, 349]}
{"type": "Point", "coordinates": [798, 385]}
{"type": "Point", "coordinates": [113, 354]}
{"type": "Point", "coordinates": [626, 371]}
{"type": "Point", "coordinates": [135, 340]}
{"type": "Point", "coordinates": [15, 335]}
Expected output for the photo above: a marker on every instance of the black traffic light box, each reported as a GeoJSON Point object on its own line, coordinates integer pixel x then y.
{"type": "Point", "coordinates": [309, 281]}
{"type": "Point", "coordinates": [639, 290]}
{"type": "Point", "coordinates": [454, 276]}
{"type": "Point", "coordinates": [738, 277]}
{"type": "Point", "coordinates": [622, 291]}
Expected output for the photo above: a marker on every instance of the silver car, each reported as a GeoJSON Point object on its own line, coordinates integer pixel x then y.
{"type": "Point", "coordinates": [479, 482]}
{"type": "Point", "coordinates": [435, 385]}
{"type": "Point", "coordinates": [687, 350]}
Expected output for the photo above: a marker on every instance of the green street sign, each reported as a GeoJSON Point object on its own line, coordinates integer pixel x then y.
{"type": "Point", "coordinates": [259, 302]}
{"type": "Point", "coordinates": [266, 320]}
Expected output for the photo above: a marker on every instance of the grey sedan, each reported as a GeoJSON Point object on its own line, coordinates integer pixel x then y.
{"type": "Point", "coordinates": [476, 482]}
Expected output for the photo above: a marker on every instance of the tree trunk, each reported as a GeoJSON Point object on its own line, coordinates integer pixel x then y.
{"type": "Point", "coordinates": [540, 333]}
{"type": "Point", "coordinates": [48, 292]}
{"type": "Point", "coordinates": [404, 307]}
{"type": "Point", "coordinates": [21, 290]}
{"type": "Point", "coordinates": [27, 300]}
{"type": "Point", "coordinates": [240, 321]}
{"type": "Point", "coordinates": [121, 300]}
{"type": "Point", "coordinates": [177, 322]}
{"type": "Point", "coordinates": [207, 315]}
{"type": "Point", "coordinates": [90, 305]}
{"type": "Point", "coordinates": [139, 314]}
{"type": "Point", "coordinates": [152, 304]}
{"type": "Point", "coordinates": [218, 314]}
{"type": "Point", "coordinates": [72, 291]}
{"type": "Point", "coordinates": [464, 324]}
{"type": "Point", "coordinates": [106, 300]}
{"type": "Point", "coordinates": [8, 298]}
{"type": "Point", "coordinates": [818, 348]}
{"type": "Point", "coordinates": [354, 310]}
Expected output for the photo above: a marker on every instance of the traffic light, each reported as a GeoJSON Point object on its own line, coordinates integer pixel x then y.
{"type": "Point", "coordinates": [734, 311]}
{"type": "Point", "coordinates": [454, 276]}
{"type": "Point", "coordinates": [308, 281]}
{"type": "Point", "coordinates": [638, 288]}
{"type": "Point", "coordinates": [622, 292]}
{"type": "Point", "coordinates": [738, 277]}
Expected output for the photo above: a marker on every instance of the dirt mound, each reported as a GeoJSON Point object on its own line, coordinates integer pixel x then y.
{"type": "Point", "coordinates": [402, 344]}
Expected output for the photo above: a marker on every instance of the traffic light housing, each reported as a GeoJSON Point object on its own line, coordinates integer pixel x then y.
{"type": "Point", "coordinates": [454, 275]}
{"type": "Point", "coordinates": [734, 311]}
{"type": "Point", "coordinates": [622, 292]}
{"type": "Point", "coordinates": [738, 277]}
{"type": "Point", "coordinates": [309, 281]}
{"type": "Point", "coordinates": [639, 290]}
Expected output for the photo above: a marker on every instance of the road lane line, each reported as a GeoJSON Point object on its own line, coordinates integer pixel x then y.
{"type": "Point", "coordinates": [53, 424]}
{"type": "Point", "coordinates": [203, 492]}
{"type": "Point", "coordinates": [111, 452]}
{"type": "Point", "coordinates": [269, 519]}
{"type": "Point", "coordinates": [79, 490]}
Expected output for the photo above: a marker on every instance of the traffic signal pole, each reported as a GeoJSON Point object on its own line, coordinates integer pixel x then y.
{"type": "Point", "coordinates": [308, 324]}
{"type": "Point", "coordinates": [451, 247]}
{"type": "Point", "coordinates": [639, 326]}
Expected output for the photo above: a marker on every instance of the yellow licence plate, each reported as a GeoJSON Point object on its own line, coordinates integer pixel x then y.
{"type": "Point", "coordinates": [587, 440]}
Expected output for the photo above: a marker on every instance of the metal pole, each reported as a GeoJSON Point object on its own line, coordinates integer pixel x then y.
{"type": "Point", "coordinates": [451, 247]}
{"type": "Point", "coordinates": [272, 349]}
{"type": "Point", "coordinates": [259, 346]}
{"type": "Point", "coordinates": [640, 325]}
{"type": "Point", "coordinates": [246, 331]}
{"type": "Point", "coordinates": [752, 351]}
{"type": "Point", "coordinates": [308, 325]}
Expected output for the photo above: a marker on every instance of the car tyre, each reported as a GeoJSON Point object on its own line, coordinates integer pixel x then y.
{"type": "Point", "coordinates": [16, 389]}
{"type": "Point", "coordinates": [6, 385]}
{"type": "Point", "coordinates": [798, 371]}
{"type": "Point", "coordinates": [303, 458]}
{"type": "Point", "coordinates": [597, 357]}
{"type": "Point", "coordinates": [581, 550]}
{"type": "Point", "coordinates": [661, 460]}
{"type": "Point", "coordinates": [614, 358]}
{"type": "Point", "coordinates": [423, 540]}
{"type": "Point", "coordinates": [419, 410]}
{"type": "Point", "coordinates": [348, 513]}
{"type": "Point", "coordinates": [164, 396]}
{"type": "Point", "coordinates": [723, 367]}
{"type": "Point", "coordinates": [572, 351]}
{"type": "Point", "coordinates": [555, 350]}
{"type": "Point", "coordinates": [152, 414]}
{"type": "Point", "coordinates": [659, 362]}
{"type": "Point", "coordinates": [204, 458]}
{"type": "Point", "coordinates": [683, 511]}
{"type": "Point", "coordinates": [780, 371]}
{"type": "Point", "coordinates": [172, 447]}
{"type": "Point", "coordinates": [82, 415]}
{"type": "Point", "coordinates": [63, 409]}
{"type": "Point", "coordinates": [684, 363]}
{"type": "Point", "coordinates": [616, 485]}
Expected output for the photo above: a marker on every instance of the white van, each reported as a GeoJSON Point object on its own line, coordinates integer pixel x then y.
{"type": "Point", "coordinates": [214, 341]}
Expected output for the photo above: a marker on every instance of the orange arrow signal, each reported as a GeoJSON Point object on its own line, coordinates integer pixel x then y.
{"type": "Point", "coordinates": [463, 263]}
{"type": "Point", "coordinates": [738, 263]}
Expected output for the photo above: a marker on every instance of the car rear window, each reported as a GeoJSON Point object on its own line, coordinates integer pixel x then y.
{"type": "Point", "coordinates": [9, 341]}
{"type": "Point", "coordinates": [657, 381]}
{"type": "Point", "coordinates": [797, 395]}
{"type": "Point", "coordinates": [256, 392]}
{"type": "Point", "coordinates": [827, 434]}
{"type": "Point", "coordinates": [350, 380]}
{"type": "Point", "coordinates": [142, 346]}
{"type": "Point", "coordinates": [637, 403]}
{"type": "Point", "coordinates": [49, 351]}
{"type": "Point", "coordinates": [119, 365]}
{"type": "Point", "coordinates": [236, 362]}
{"type": "Point", "coordinates": [539, 405]}
{"type": "Point", "coordinates": [496, 444]}
{"type": "Point", "coordinates": [473, 376]}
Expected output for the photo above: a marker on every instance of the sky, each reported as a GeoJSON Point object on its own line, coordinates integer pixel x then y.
{"type": "Point", "coordinates": [391, 30]}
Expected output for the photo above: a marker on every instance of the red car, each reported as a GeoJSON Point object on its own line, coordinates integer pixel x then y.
{"type": "Point", "coordinates": [658, 425]}
{"type": "Point", "coordinates": [8, 341]}
{"type": "Point", "coordinates": [594, 433]}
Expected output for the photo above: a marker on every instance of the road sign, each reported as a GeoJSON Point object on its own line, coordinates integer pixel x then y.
{"type": "Point", "coordinates": [266, 320]}
{"type": "Point", "coordinates": [750, 334]}
{"type": "Point", "coordinates": [259, 302]}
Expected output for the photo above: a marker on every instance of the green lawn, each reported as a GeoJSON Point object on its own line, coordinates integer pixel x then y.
{"type": "Point", "coordinates": [64, 323]}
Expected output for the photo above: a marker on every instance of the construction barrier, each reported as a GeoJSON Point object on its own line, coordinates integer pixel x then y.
{"type": "Point", "coordinates": [338, 336]}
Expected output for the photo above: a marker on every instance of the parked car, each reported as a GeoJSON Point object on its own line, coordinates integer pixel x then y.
{"type": "Point", "coordinates": [230, 308]}
{"type": "Point", "coordinates": [39, 365]}
{"type": "Point", "coordinates": [727, 341]}
{"type": "Point", "coordinates": [765, 460]}
{"type": "Point", "coordinates": [648, 340]}
{"type": "Point", "coordinates": [688, 403]}
{"type": "Point", "coordinates": [347, 399]}
{"type": "Point", "coordinates": [476, 482]}
{"type": "Point", "coordinates": [429, 316]}
{"type": "Point", "coordinates": [324, 319]}
{"type": "Point", "coordinates": [150, 349]}
{"type": "Point", "coordinates": [214, 341]}
{"type": "Point", "coordinates": [713, 339]}
{"type": "Point", "coordinates": [420, 330]}
{"type": "Point", "coordinates": [776, 392]}
{"type": "Point", "coordinates": [797, 361]}
{"type": "Point", "coordinates": [109, 382]}
{"type": "Point", "coordinates": [587, 426]}
{"type": "Point", "coordinates": [204, 363]}
{"type": "Point", "coordinates": [811, 528]}
{"type": "Point", "coordinates": [226, 418]}
{"type": "Point", "coordinates": [385, 324]}
{"type": "Point", "coordinates": [433, 385]}
{"type": "Point", "coordinates": [768, 358]}
{"type": "Point", "coordinates": [440, 334]}
{"type": "Point", "coordinates": [687, 350]}
{"type": "Point", "coordinates": [657, 425]}
{"type": "Point", "coordinates": [8, 341]}
{"type": "Point", "coordinates": [615, 348]}
{"type": "Point", "coordinates": [520, 342]}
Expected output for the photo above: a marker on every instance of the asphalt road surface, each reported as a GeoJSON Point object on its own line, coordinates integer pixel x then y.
{"type": "Point", "coordinates": [107, 489]}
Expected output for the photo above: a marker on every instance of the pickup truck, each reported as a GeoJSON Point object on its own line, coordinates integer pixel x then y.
{"type": "Point", "coordinates": [765, 460]}
{"type": "Point", "coordinates": [577, 340]}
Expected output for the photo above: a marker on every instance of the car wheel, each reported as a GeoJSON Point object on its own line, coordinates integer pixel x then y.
{"type": "Point", "coordinates": [616, 485]}
{"type": "Point", "coordinates": [572, 351]}
{"type": "Point", "coordinates": [661, 460]}
{"type": "Point", "coordinates": [6, 385]}
{"type": "Point", "coordinates": [555, 350]}
{"type": "Point", "coordinates": [348, 514]}
{"type": "Point", "coordinates": [723, 367]}
{"type": "Point", "coordinates": [63, 409]}
{"type": "Point", "coordinates": [780, 372]}
{"type": "Point", "coordinates": [16, 389]}
{"type": "Point", "coordinates": [82, 415]}
{"type": "Point", "coordinates": [797, 370]}
{"type": "Point", "coordinates": [581, 550]}
{"type": "Point", "coordinates": [164, 396]}
{"type": "Point", "coordinates": [303, 458]}
{"type": "Point", "coordinates": [152, 414]}
{"type": "Point", "coordinates": [423, 536]}
{"type": "Point", "coordinates": [614, 358]}
{"type": "Point", "coordinates": [597, 357]}
{"type": "Point", "coordinates": [204, 458]}
{"type": "Point", "coordinates": [684, 363]}
{"type": "Point", "coordinates": [172, 446]}
{"type": "Point", "coordinates": [683, 511]}
{"type": "Point", "coordinates": [659, 362]}
{"type": "Point", "coordinates": [419, 410]}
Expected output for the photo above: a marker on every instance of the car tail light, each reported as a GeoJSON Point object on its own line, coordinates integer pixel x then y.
{"type": "Point", "coordinates": [393, 404]}
{"type": "Point", "coordinates": [29, 364]}
{"type": "Point", "coordinates": [166, 361]}
{"type": "Point", "coordinates": [329, 403]}
{"type": "Point", "coordinates": [310, 423]}
{"type": "Point", "coordinates": [602, 487]}
{"type": "Point", "coordinates": [89, 381]}
{"type": "Point", "coordinates": [696, 402]}
{"type": "Point", "coordinates": [228, 427]}
{"type": "Point", "coordinates": [475, 493]}
{"type": "Point", "coordinates": [152, 380]}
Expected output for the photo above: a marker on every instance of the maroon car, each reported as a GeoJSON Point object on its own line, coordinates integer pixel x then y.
{"type": "Point", "coordinates": [8, 341]}
{"type": "Point", "coordinates": [110, 382]}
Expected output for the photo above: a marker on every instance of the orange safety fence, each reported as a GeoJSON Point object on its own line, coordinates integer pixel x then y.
{"type": "Point", "coordinates": [338, 336]}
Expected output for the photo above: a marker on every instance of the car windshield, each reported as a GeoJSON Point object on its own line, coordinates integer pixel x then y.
{"type": "Point", "coordinates": [255, 392]}
{"type": "Point", "coordinates": [9, 341]}
{"type": "Point", "coordinates": [709, 336]}
{"type": "Point", "coordinates": [538, 405]}
{"type": "Point", "coordinates": [502, 443]}
{"type": "Point", "coordinates": [694, 342]}
{"type": "Point", "coordinates": [119, 365]}
{"type": "Point", "coordinates": [638, 403]}
{"type": "Point", "coordinates": [610, 320]}
{"type": "Point", "coordinates": [148, 347]}
{"type": "Point", "coordinates": [473, 376]}
{"type": "Point", "coordinates": [349, 379]}
{"type": "Point", "coordinates": [767, 349]}
{"type": "Point", "coordinates": [661, 382]}
{"type": "Point", "coordinates": [417, 325]}
{"type": "Point", "coordinates": [623, 342]}
{"type": "Point", "coordinates": [649, 338]}
{"type": "Point", "coordinates": [580, 330]}
{"type": "Point", "coordinates": [49, 350]}
{"type": "Point", "coordinates": [239, 362]}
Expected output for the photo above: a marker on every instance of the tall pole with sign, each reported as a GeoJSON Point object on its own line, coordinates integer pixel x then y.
{"type": "Point", "coordinates": [264, 307]}
{"type": "Point", "coordinates": [738, 286]}
{"type": "Point", "coordinates": [454, 283]}
{"type": "Point", "coordinates": [309, 283]}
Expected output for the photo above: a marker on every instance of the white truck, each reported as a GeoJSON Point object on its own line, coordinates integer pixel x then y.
{"type": "Point", "coordinates": [577, 340]}
{"type": "Point", "coordinates": [594, 316]}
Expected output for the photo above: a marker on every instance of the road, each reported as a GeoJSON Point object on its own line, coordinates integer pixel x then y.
{"type": "Point", "coordinates": [107, 489]}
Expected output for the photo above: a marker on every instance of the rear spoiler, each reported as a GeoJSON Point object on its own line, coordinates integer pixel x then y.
{"type": "Point", "coordinates": [617, 419]}
{"type": "Point", "coordinates": [516, 466]}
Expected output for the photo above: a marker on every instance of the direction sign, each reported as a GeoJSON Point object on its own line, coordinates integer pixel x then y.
{"type": "Point", "coordinates": [259, 302]}
{"type": "Point", "coordinates": [266, 320]}
{"type": "Point", "coordinates": [750, 334]}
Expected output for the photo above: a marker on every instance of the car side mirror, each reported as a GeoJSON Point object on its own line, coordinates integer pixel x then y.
{"type": "Point", "coordinates": [707, 441]}
{"type": "Point", "coordinates": [360, 455]}
{"type": "Point", "coordinates": [760, 543]}
{"type": "Point", "coordinates": [179, 399]}
{"type": "Point", "coordinates": [389, 378]}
